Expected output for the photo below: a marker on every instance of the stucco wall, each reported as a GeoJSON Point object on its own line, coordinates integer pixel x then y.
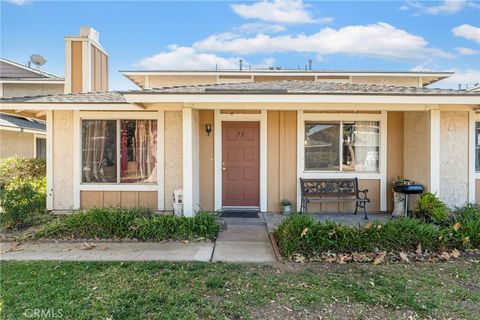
{"type": "Point", "coordinates": [454, 157]}
{"type": "Point", "coordinates": [168, 81]}
{"type": "Point", "coordinates": [416, 157]}
{"type": "Point", "coordinates": [206, 160]}
{"type": "Point", "coordinates": [173, 155]}
{"type": "Point", "coordinates": [282, 158]}
{"type": "Point", "coordinates": [16, 143]}
{"type": "Point", "coordinates": [63, 160]}
{"type": "Point", "coordinates": [402, 81]}
{"type": "Point", "coordinates": [19, 90]}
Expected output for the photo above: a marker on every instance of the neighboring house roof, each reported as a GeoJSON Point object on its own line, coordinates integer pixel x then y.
{"type": "Point", "coordinates": [9, 121]}
{"type": "Point", "coordinates": [301, 87]}
{"type": "Point", "coordinates": [90, 97]}
{"type": "Point", "coordinates": [11, 71]}
{"type": "Point", "coordinates": [426, 77]}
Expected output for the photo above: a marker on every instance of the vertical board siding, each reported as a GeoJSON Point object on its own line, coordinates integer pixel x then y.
{"type": "Point", "coordinates": [282, 151]}
{"type": "Point", "coordinates": [76, 72]}
{"type": "Point", "coordinates": [206, 158]}
{"type": "Point", "coordinates": [394, 153]}
{"type": "Point", "coordinates": [115, 199]}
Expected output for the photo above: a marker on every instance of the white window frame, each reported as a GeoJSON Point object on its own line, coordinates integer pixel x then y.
{"type": "Point", "coordinates": [145, 115]}
{"type": "Point", "coordinates": [341, 123]}
{"type": "Point", "coordinates": [35, 137]}
{"type": "Point", "coordinates": [381, 175]}
{"type": "Point", "coordinates": [474, 121]}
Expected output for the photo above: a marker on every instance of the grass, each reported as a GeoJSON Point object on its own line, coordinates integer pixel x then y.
{"type": "Point", "coordinates": [156, 290]}
{"type": "Point", "coordinates": [141, 224]}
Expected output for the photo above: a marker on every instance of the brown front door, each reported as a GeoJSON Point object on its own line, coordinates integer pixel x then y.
{"type": "Point", "coordinates": [240, 163]}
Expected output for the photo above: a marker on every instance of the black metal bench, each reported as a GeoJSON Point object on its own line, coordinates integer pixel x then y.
{"type": "Point", "coordinates": [333, 190]}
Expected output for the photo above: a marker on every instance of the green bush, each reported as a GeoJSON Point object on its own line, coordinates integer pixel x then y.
{"type": "Point", "coordinates": [23, 202]}
{"type": "Point", "coordinates": [302, 234]}
{"type": "Point", "coordinates": [431, 208]}
{"type": "Point", "coordinates": [142, 224]}
{"type": "Point", "coordinates": [21, 168]}
{"type": "Point", "coordinates": [466, 226]}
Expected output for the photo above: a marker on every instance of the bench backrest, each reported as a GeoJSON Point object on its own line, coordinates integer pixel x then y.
{"type": "Point", "coordinates": [329, 187]}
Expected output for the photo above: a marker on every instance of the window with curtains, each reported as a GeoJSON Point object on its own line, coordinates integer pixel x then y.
{"type": "Point", "coordinates": [347, 146]}
{"type": "Point", "coordinates": [119, 151]}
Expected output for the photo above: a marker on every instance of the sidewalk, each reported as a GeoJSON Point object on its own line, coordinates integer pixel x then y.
{"type": "Point", "coordinates": [244, 240]}
{"type": "Point", "coordinates": [108, 251]}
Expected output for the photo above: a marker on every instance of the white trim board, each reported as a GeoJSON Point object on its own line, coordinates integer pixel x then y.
{"type": "Point", "coordinates": [381, 175]}
{"type": "Point", "coordinates": [262, 118]}
{"type": "Point", "coordinates": [473, 175]}
{"type": "Point", "coordinates": [49, 160]}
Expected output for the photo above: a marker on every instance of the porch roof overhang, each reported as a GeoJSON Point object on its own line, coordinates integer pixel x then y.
{"type": "Point", "coordinates": [428, 99]}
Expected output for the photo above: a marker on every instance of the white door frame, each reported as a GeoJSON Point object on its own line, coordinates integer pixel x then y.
{"type": "Point", "coordinates": [218, 119]}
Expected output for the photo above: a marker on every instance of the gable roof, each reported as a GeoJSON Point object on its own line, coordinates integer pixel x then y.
{"type": "Point", "coordinates": [16, 122]}
{"type": "Point", "coordinates": [90, 97]}
{"type": "Point", "coordinates": [14, 71]}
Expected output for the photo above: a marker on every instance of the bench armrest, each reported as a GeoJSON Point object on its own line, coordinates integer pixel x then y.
{"type": "Point", "coordinates": [364, 194]}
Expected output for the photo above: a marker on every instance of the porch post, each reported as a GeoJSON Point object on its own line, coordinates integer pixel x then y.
{"type": "Point", "coordinates": [190, 162]}
{"type": "Point", "coordinates": [435, 152]}
{"type": "Point", "coordinates": [49, 160]}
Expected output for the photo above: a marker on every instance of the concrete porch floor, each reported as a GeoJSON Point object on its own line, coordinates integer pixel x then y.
{"type": "Point", "coordinates": [349, 219]}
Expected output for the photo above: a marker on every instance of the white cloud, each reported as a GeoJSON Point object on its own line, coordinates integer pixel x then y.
{"type": "Point", "coordinates": [18, 2]}
{"type": "Point", "coordinates": [465, 77]}
{"type": "Point", "coordinates": [279, 11]}
{"type": "Point", "coordinates": [260, 27]}
{"type": "Point", "coordinates": [445, 7]}
{"type": "Point", "coordinates": [468, 32]}
{"type": "Point", "coordinates": [188, 58]}
{"type": "Point", "coordinates": [467, 51]}
{"type": "Point", "coordinates": [379, 40]}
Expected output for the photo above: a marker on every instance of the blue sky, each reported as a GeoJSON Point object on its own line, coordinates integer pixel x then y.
{"type": "Point", "coordinates": [357, 35]}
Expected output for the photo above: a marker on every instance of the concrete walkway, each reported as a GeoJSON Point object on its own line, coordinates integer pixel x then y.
{"type": "Point", "coordinates": [108, 251]}
{"type": "Point", "coordinates": [245, 240]}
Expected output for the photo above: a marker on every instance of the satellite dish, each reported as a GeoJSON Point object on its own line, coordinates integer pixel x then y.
{"type": "Point", "coordinates": [38, 60]}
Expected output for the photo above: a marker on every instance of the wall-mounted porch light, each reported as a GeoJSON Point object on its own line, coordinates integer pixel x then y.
{"type": "Point", "coordinates": [208, 128]}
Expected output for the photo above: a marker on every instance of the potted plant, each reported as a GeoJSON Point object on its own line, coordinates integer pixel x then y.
{"type": "Point", "coordinates": [286, 206]}
{"type": "Point", "coordinates": [399, 198]}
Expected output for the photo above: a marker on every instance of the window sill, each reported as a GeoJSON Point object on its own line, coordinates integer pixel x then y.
{"type": "Point", "coordinates": [118, 187]}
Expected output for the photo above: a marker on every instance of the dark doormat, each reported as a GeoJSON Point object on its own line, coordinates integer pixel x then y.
{"type": "Point", "coordinates": [239, 214]}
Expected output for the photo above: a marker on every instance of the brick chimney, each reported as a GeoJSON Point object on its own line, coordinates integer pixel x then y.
{"type": "Point", "coordinates": [86, 63]}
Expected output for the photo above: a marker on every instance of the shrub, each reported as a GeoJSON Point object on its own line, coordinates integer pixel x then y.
{"type": "Point", "coordinates": [23, 202]}
{"type": "Point", "coordinates": [302, 234]}
{"type": "Point", "coordinates": [22, 168]}
{"type": "Point", "coordinates": [431, 208]}
{"type": "Point", "coordinates": [142, 224]}
{"type": "Point", "coordinates": [466, 226]}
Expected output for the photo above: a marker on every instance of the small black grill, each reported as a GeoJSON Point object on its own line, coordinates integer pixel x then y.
{"type": "Point", "coordinates": [408, 188]}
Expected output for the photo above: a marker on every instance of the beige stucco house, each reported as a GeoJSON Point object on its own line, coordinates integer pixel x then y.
{"type": "Point", "coordinates": [244, 138]}
{"type": "Point", "coordinates": [23, 133]}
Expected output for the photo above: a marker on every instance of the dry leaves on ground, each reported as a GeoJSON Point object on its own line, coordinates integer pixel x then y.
{"type": "Point", "coordinates": [88, 246]}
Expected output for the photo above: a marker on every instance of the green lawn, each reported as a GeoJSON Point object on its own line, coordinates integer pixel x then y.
{"type": "Point", "coordinates": [153, 290]}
